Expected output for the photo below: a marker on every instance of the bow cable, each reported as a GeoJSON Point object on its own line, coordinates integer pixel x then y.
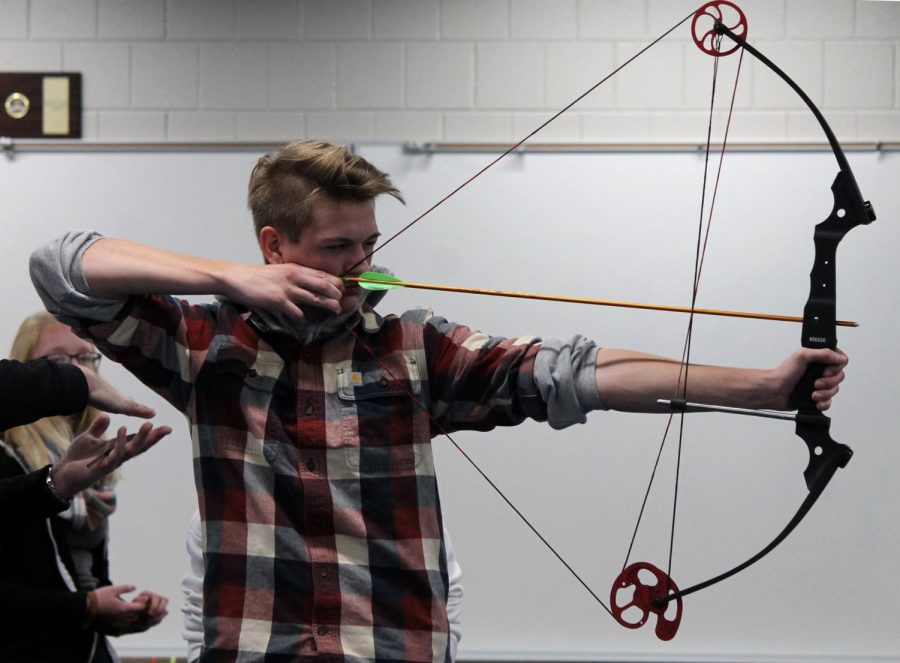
{"type": "Point", "coordinates": [438, 204]}
{"type": "Point", "coordinates": [700, 254]}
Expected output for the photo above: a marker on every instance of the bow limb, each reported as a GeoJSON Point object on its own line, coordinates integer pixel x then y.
{"type": "Point", "coordinates": [826, 455]}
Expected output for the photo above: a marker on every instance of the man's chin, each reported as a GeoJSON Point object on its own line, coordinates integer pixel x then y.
{"type": "Point", "coordinates": [315, 314]}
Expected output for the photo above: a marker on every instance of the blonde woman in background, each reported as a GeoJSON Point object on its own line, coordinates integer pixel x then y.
{"type": "Point", "coordinates": [44, 565]}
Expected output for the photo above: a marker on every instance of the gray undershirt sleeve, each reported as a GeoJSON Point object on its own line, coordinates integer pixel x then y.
{"type": "Point", "coordinates": [58, 277]}
{"type": "Point", "coordinates": [564, 375]}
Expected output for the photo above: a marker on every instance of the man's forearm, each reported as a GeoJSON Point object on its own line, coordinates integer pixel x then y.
{"type": "Point", "coordinates": [632, 381]}
{"type": "Point", "coordinates": [118, 268]}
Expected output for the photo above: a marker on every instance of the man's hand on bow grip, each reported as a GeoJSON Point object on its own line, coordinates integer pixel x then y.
{"type": "Point", "coordinates": [788, 374]}
{"type": "Point", "coordinates": [286, 288]}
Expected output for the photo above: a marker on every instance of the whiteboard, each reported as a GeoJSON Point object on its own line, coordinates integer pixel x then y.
{"type": "Point", "coordinates": [616, 226]}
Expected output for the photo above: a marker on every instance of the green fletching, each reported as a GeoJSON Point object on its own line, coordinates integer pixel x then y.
{"type": "Point", "coordinates": [385, 281]}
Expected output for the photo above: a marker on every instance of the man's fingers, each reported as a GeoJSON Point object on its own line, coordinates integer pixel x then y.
{"type": "Point", "coordinates": [294, 313]}
{"type": "Point", "coordinates": [317, 292]}
{"type": "Point", "coordinates": [328, 304]}
{"type": "Point", "coordinates": [316, 288]}
{"type": "Point", "coordinates": [318, 281]}
{"type": "Point", "coordinates": [831, 358]}
{"type": "Point", "coordinates": [830, 381]}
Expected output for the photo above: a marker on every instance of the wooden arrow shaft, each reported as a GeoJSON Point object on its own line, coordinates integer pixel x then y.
{"type": "Point", "coordinates": [593, 302]}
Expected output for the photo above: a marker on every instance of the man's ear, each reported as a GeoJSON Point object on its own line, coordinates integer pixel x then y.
{"type": "Point", "coordinates": [270, 243]}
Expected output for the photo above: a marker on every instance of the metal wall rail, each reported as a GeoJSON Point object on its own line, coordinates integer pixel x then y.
{"type": "Point", "coordinates": [562, 148]}
{"type": "Point", "coordinates": [11, 148]}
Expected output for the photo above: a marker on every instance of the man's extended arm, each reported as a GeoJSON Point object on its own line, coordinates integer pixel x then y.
{"type": "Point", "coordinates": [631, 381]}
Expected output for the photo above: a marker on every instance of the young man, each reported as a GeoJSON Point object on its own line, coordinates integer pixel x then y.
{"type": "Point", "coordinates": [311, 415]}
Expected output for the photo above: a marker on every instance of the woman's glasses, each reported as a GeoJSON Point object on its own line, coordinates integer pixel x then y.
{"type": "Point", "coordinates": [83, 359]}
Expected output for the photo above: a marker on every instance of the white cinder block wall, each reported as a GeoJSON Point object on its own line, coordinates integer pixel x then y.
{"type": "Point", "coordinates": [452, 70]}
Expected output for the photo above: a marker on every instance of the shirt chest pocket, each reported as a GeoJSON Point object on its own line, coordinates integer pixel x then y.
{"type": "Point", "coordinates": [246, 394]}
{"type": "Point", "coordinates": [383, 418]}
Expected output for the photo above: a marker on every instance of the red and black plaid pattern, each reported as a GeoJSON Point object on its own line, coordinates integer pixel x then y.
{"type": "Point", "coordinates": [314, 469]}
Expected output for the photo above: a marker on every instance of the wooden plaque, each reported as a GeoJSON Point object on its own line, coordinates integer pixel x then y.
{"type": "Point", "coordinates": [40, 105]}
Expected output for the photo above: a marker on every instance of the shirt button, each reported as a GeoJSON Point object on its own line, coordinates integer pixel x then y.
{"type": "Point", "coordinates": [311, 465]}
{"type": "Point", "coordinates": [322, 630]}
{"type": "Point", "coordinates": [324, 573]}
{"type": "Point", "coordinates": [309, 409]}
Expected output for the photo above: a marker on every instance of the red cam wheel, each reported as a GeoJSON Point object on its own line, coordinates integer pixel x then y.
{"type": "Point", "coordinates": [647, 598]}
{"type": "Point", "coordinates": [703, 27]}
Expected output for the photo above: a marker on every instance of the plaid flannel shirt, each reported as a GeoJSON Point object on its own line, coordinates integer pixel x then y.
{"type": "Point", "coordinates": [314, 469]}
{"type": "Point", "coordinates": [312, 454]}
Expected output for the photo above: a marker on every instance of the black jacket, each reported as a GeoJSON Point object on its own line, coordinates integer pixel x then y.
{"type": "Point", "coordinates": [41, 611]}
{"type": "Point", "coordinates": [30, 391]}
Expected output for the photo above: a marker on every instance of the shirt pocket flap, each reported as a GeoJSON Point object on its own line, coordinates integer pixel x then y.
{"type": "Point", "coordinates": [389, 377]}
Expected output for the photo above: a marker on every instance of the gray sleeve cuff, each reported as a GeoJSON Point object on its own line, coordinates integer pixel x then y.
{"type": "Point", "coordinates": [58, 277]}
{"type": "Point", "coordinates": [564, 375]}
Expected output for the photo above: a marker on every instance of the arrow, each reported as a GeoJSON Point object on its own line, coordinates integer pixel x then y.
{"type": "Point", "coordinates": [377, 281]}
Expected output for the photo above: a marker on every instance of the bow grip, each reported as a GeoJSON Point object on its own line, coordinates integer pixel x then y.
{"type": "Point", "coordinates": [801, 397]}
{"type": "Point", "coordinates": [819, 330]}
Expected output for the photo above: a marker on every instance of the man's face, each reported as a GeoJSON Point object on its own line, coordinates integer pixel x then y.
{"type": "Point", "coordinates": [339, 235]}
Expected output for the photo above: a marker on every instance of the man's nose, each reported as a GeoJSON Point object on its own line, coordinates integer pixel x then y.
{"type": "Point", "coordinates": [361, 261]}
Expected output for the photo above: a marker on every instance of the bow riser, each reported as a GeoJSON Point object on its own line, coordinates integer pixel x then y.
{"type": "Point", "coordinates": [819, 329]}
{"type": "Point", "coordinates": [849, 211]}
{"type": "Point", "coordinates": [820, 313]}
